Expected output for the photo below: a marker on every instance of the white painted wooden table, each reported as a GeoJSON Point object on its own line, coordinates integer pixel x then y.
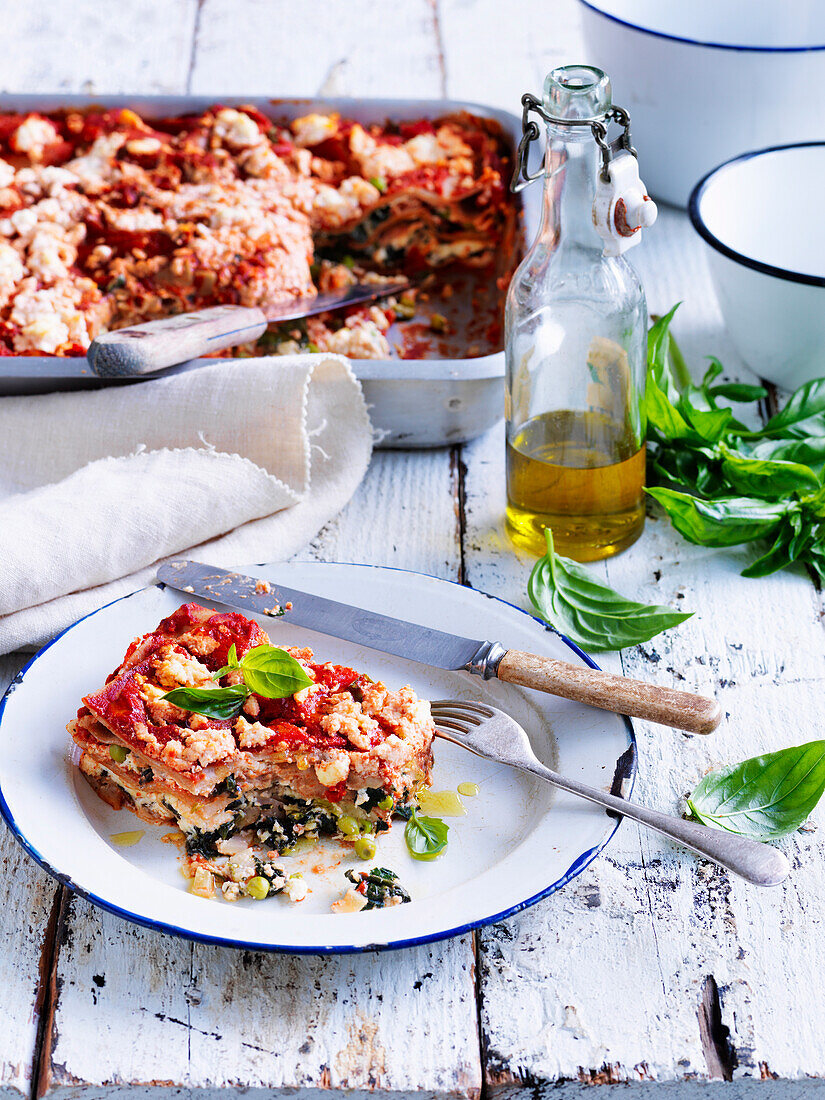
{"type": "Point", "coordinates": [651, 968]}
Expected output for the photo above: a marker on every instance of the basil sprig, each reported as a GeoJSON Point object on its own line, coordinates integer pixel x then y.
{"type": "Point", "coordinates": [266, 671]}
{"type": "Point", "coordinates": [426, 837]}
{"type": "Point", "coordinates": [722, 484]}
{"type": "Point", "coordinates": [765, 797]}
{"type": "Point", "coordinates": [568, 598]}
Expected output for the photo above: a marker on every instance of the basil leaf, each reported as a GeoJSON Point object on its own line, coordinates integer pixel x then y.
{"type": "Point", "coordinates": [696, 470]}
{"type": "Point", "coordinates": [727, 521]}
{"type": "Point", "coordinates": [567, 597]}
{"type": "Point", "coordinates": [803, 413]}
{"type": "Point", "coordinates": [765, 797]}
{"type": "Point", "coordinates": [273, 672]}
{"type": "Point", "coordinates": [225, 702]}
{"type": "Point", "coordinates": [776, 557]}
{"type": "Point", "coordinates": [711, 374]}
{"type": "Point", "coordinates": [711, 424]}
{"type": "Point", "coordinates": [764, 478]}
{"type": "Point", "coordinates": [426, 837]}
{"type": "Point", "coordinates": [658, 348]}
{"type": "Point", "coordinates": [810, 452]}
{"type": "Point", "coordinates": [739, 392]}
{"type": "Point", "coordinates": [662, 414]}
{"type": "Point", "coordinates": [232, 663]}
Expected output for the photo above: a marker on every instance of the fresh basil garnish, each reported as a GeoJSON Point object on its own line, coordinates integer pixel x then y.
{"type": "Point", "coordinates": [266, 670]}
{"type": "Point", "coordinates": [426, 837]}
{"type": "Point", "coordinates": [225, 702]}
{"type": "Point", "coordinates": [273, 673]}
{"type": "Point", "coordinates": [723, 484]}
{"type": "Point", "coordinates": [765, 797]}
{"type": "Point", "coordinates": [232, 662]}
{"type": "Point", "coordinates": [568, 598]}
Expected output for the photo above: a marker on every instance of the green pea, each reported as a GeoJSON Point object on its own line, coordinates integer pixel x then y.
{"type": "Point", "coordinates": [364, 848]}
{"type": "Point", "coordinates": [258, 887]}
{"type": "Point", "coordinates": [118, 753]}
{"type": "Point", "coordinates": [348, 826]}
{"type": "Point", "coordinates": [386, 803]}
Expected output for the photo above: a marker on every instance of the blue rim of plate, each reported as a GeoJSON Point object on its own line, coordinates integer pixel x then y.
{"type": "Point", "coordinates": [698, 41]}
{"type": "Point", "coordinates": [572, 871]}
{"type": "Point", "coordinates": [699, 224]}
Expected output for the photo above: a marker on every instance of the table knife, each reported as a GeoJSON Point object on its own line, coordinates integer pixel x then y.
{"type": "Point", "coordinates": [436, 648]}
{"type": "Point", "coordinates": [143, 349]}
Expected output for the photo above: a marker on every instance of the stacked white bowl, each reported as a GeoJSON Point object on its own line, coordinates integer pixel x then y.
{"type": "Point", "coordinates": [731, 93]}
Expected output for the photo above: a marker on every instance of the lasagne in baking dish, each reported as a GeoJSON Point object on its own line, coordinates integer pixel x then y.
{"type": "Point", "coordinates": [108, 219]}
{"type": "Point", "coordinates": [335, 758]}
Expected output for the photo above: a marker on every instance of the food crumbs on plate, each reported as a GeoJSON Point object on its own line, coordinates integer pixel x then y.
{"type": "Point", "coordinates": [173, 838]}
{"type": "Point", "coordinates": [350, 902]}
{"type": "Point", "coordinates": [468, 789]}
{"type": "Point", "coordinates": [262, 587]}
{"type": "Point", "coordinates": [203, 883]}
{"type": "Point", "coordinates": [441, 803]}
{"type": "Point", "coordinates": [127, 840]}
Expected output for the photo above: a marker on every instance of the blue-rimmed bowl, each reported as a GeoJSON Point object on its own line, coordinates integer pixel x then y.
{"type": "Point", "coordinates": [761, 215]}
{"type": "Point", "coordinates": [709, 79]}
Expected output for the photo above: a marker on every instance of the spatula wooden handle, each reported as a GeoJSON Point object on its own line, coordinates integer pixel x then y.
{"type": "Point", "coordinates": [680, 709]}
{"type": "Point", "coordinates": [142, 349]}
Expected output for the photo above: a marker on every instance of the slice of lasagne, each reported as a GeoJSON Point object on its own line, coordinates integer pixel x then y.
{"type": "Point", "coordinates": [335, 758]}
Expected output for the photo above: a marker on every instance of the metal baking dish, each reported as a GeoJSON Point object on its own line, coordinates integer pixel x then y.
{"type": "Point", "coordinates": [413, 402]}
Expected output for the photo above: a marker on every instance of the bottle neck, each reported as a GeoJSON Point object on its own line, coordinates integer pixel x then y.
{"type": "Point", "coordinates": [571, 170]}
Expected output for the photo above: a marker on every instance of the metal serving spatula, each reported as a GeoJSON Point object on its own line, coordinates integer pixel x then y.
{"type": "Point", "coordinates": [143, 349]}
{"type": "Point", "coordinates": [680, 709]}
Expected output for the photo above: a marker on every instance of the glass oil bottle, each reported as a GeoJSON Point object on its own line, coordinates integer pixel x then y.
{"type": "Point", "coordinates": [576, 338]}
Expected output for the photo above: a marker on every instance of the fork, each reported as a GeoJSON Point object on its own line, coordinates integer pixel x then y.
{"type": "Point", "coordinates": [494, 735]}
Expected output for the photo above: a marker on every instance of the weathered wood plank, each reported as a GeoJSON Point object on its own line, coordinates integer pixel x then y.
{"type": "Point", "coordinates": [28, 899]}
{"type": "Point", "coordinates": [144, 46]}
{"type": "Point", "coordinates": [607, 981]}
{"type": "Point", "coordinates": [265, 47]}
{"type": "Point", "coordinates": [493, 57]}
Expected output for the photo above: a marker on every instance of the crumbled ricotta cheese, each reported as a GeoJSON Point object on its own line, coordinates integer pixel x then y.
{"type": "Point", "coordinates": [237, 128]}
{"type": "Point", "coordinates": [133, 221]}
{"type": "Point", "coordinates": [98, 166]}
{"type": "Point", "coordinates": [313, 129]}
{"type": "Point", "coordinates": [11, 271]}
{"type": "Point", "coordinates": [33, 135]}
{"type": "Point", "coordinates": [295, 887]}
{"type": "Point", "coordinates": [378, 160]}
{"type": "Point", "coordinates": [47, 318]}
{"type": "Point", "coordinates": [334, 768]}
{"type": "Point", "coordinates": [143, 147]}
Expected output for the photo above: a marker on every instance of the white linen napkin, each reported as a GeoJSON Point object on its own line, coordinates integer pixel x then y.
{"type": "Point", "coordinates": [235, 463]}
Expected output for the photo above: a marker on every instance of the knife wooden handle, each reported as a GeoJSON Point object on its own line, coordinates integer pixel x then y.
{"type": "Point", "coordinates": [143, 349]}
{"type": "Point", "coordinates": [680, 709]}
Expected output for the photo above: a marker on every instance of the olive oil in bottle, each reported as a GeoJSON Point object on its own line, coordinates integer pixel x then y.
{"type": "Point", "coordinates": [579, 474]}
{"type": "Point", "coordinates": [575, 348]}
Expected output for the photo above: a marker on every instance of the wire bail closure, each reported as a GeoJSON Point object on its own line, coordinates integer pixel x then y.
{"type": "Point", "coordinates": [530, 132]}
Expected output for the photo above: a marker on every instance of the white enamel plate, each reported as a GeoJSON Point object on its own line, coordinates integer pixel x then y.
{"type": "Point", "coordinates": [519, 841]}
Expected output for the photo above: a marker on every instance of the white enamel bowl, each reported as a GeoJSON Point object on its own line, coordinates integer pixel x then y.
{"type": "Point", "coordinates": [761, 216]}
{"type": "Point", "coordinates": [709, 79]}
{"type": "Point", "coordinates": [519, 841]}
